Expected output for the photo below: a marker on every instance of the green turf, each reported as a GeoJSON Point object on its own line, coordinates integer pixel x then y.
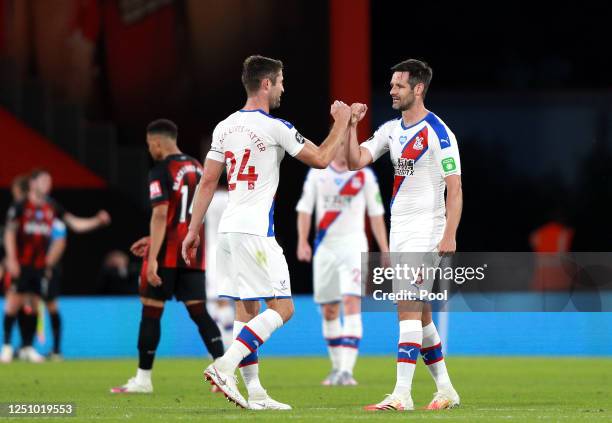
{"type": "Point", "coordinates": [491, 389]}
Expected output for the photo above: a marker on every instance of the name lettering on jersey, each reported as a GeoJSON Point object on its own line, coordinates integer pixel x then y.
{"type": "Point", "coordinates": [404, 167]}
{"type": "Point", "coordinates": [178, 179]}
{"type": "Point", "coordinates": [241, 129]}
{"type": "Point", "coordinates": [155, 189]}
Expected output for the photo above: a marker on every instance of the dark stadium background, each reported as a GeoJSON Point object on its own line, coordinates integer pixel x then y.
{"type": "Point", "coordinates": [527, 93]}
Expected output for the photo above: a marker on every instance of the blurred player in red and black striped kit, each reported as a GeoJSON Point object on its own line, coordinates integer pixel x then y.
{"type": "Point", "coordinates": [39, 184]}
{"type": "Point", "coordinates": [172, 186]}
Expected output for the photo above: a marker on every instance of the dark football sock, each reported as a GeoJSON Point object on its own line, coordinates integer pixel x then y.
{"type": "Point", "coordinates": [148, 336]}
{"type": "Point", "coordinates": [29, 328]}
{"type": "Point", "coordinates": [209, 331]}
{"type": "Point", "coordinates": [8, 327]}
{"type": "Point", "coordinates": [56, 328]}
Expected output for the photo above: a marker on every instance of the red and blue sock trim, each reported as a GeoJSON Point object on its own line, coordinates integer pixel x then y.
{"type": "Point", "coordinates": [432, 354]}
{"type": "Point", "coordinates": [250, 339]}
{"type": "Point", "coordinates": [408, 352]}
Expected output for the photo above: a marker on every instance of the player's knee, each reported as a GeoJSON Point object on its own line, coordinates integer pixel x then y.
{"type": "Point", "coordinates": [330, 311]}
{"type": "Point", "coordinates": [352, 304]}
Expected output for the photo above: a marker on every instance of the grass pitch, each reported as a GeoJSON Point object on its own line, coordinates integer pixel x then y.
{"type": "Point", "coordinates": [491, 389]}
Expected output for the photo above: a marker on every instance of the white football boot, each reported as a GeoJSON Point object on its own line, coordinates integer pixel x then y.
{"type": "Point", "coordinates": [228, 384]}
{"type": "Point", "coordinates": [447, 398]}
{"type": "Point", "coordinates": [133, 386]}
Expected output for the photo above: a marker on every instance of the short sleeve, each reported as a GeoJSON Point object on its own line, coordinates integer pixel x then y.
{"type": "Point", "coordinates": [309, 194]}
{"type": "Point", "coordinates": [13, 214]}
{"type": "Point", "coordinates": [216, 152]}
{"type": "Point", "coordinates": [446, 153]}
{"type": "Point", "coordinates": [377, 144]}
{"type": "Point", "coordinates": [373, 198]}
{"type": "Point", "coordinates": [288, 137]}
{"type": "Point", "coordinates": [158, 186]}
{"type": "Point", "coordinates": [58, 230]}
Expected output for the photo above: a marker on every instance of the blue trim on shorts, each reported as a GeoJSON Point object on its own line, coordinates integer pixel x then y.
{"type": "Point", "coordinates": [264, 298]}
{"type": "Point", "coordinates": [228, 296]}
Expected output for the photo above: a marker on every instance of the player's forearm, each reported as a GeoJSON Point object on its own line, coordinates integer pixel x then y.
{"type": "Point", "coordinates": [454, 206]}
{"type": "Point", "coordinates": [203, 197]}
{"type": "Point", "coordinates": [327, 150]}
{"type": "Point", "coordinates": [303, 226]}
{"type": "Point", "coordinates": [379, 230]}
{"type": "Point", "coordinates": [352, 148]}
{"type": "Point", "coordinates": [157, 234]}
{"type": "Point", "coordinates": [54, 255]}
{"type": "Point", "coordinates": [10, 244]}
{"type": "Point", "coordinates": [82, 224]}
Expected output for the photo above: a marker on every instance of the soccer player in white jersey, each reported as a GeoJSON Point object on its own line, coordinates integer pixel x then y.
{"type": "Point", "coordinates": [425, 157]}
{"type": "Point", "coordinates": [341, 197]}
{"type": "Point", "coordinates": [221, 309]}
{"type": "Point", "coordinates": [251, 266]}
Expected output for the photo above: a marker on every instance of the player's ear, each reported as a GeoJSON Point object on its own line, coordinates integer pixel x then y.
{"type": "Point", "coordinates": [419, 88]}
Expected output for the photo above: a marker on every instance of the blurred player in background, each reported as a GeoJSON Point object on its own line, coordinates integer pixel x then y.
{"type": "Point", "coordinates": [425, 157]}
{"type": "Point", "coordinates": [250, 264]}
{"type": "Point", "coordinates": [221, 309]}
{"type": "Point", "coordinates": [30, 258]}
{"type": "Point", "coordinates": [51, 284]}
{"type": "Point", "coordinates": [172, 186]}
{"type": "Point", "coordinates": [341, 197]}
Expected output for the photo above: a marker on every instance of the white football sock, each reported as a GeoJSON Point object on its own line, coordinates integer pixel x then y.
{"type": "Point", "coordinates": [351, 333]}
{"type": "Point", "coordinates": [332, 332]}
{"type": "Point", "coordinates": [256, 332]}
{"type": "Point", "coordinates": [431, 351]}
{"type": "Point", "coordinates": [410, 338]}
{"type": "Point", "coordinates": [249, 372]}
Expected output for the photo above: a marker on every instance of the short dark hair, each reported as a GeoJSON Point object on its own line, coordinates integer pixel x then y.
{"type": "Point", "coordinates": [419, 72]}
{"type": "Point", "coordinates": [257, 68]}
{"type": "Point", "coordinates": [35, 173]}
{"type": "Point", "coordinates": [163, 127]}
{"type": "Point", "coordinates": [22, 182]}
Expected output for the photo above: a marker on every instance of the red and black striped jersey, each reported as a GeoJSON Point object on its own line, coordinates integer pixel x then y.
{"type": "Point", "coordinates": [173, 181]}
{"type": "Point", "coordinates": [34, 224]}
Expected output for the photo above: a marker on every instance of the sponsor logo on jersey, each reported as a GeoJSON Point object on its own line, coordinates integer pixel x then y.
{"type": "Point", "coordinates": [155, 189]}
{"type": "Point", "coordinates": [338, 181]}
{"type": "Point", "coordinates": [448, 164]}
{"type": "Point", "coordinates": [299, 137]}
{"type": "Point", "coordinates": [404, 167]}
{"type": "Point", "coordinates": [36, 228]}
{"type": "Point", "coordinates": [444, 142]}
{"type": "Point", "coordinates": [418, 143]}
{"type": "Point", "coordinates": [336, 202]}
{"type": "Point", "coordinates": [403, 139]}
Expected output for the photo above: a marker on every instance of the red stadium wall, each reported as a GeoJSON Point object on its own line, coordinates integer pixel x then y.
{"type": "Point", "coordinates": [24, 149]}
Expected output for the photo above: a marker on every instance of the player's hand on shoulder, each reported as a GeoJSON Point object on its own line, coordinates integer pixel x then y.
{"type": "Point", "coordinates": [447, 246]}
{"type": "Point", "coordinates": [340, 111]}
{"type": "Point", "coordinates": [304, 252]}
{"type": "Point", "coordinates": [139, 248]}
{"type": "Point", "coordinates": [152, 276]}
{"type": "Point", "coordinates": [190, 246]}
{"type": "Point", "coordinates": [358, 111]}
{"type": "Point", "coordinates": [103, 217]}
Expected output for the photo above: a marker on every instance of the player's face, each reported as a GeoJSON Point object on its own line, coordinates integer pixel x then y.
{"type": "Point", "coordinates": [45, 183]}
{"type": "Point", "coordinates": [402, 95]}
{"type": "Point", "coordinates": [18, 194]}
{"type": "Point", "coordinates": [276, 91]}
{"type": "Point", "coordinates": [154, 144]}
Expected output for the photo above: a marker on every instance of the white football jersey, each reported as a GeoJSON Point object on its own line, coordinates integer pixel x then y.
{"type": "Point", "coordinates": [341, 200]}
{"type": "Point", "coordinates": [422, 155]}
{"type": "Point", "coordinates": [252, 143]}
